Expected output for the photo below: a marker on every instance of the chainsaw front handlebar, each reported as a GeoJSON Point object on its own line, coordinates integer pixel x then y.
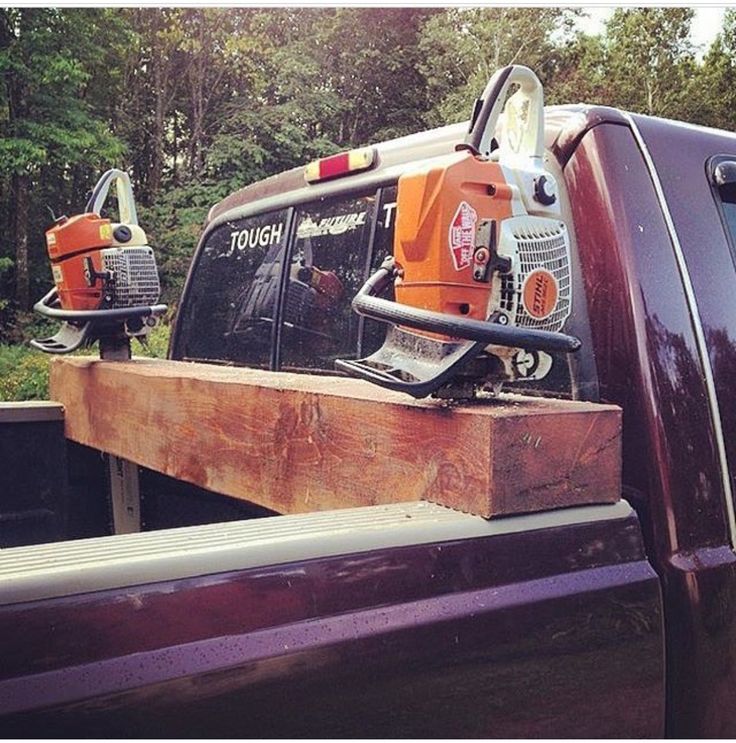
{"type": "Point", "coordinates": [45, 307]}
{"type": "Point", "coordinates": [367, 303]}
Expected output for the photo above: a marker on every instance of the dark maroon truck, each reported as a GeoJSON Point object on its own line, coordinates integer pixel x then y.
{"type": "Point", "coordinates": [222, 619]}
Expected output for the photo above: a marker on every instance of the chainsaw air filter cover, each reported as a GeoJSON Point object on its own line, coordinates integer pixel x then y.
{"type": "Point", "coordinates": [136, 276]}
{"type": "Point", "coordinates": [536, 292]}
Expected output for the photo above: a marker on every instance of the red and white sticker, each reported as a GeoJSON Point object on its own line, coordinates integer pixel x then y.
{"type": "Point", "coordinates": [462, 235]}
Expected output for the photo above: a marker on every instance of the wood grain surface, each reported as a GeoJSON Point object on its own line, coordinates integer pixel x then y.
{"type": "Point", "coordinates": [296, 443]}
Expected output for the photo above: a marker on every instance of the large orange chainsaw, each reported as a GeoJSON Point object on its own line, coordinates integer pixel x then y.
{"type": "Point", "coordinates": [481, 259]}
{"type": "Point", "coordinates": [105, 275]}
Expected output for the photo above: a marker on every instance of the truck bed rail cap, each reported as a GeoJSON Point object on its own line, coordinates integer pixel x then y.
{"type": "Point", "coordinates": [86, 565]}
{"type": "Point", "coordinates": [31, 411]}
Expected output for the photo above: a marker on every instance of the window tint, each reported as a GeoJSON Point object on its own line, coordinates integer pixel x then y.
{"type": "Point", "coordinates": [383, 246]}
{"type": "Point", "coordinates": [727, 197]}
{"type": "Point", "coordinates": [329, 263]}
{"type": "Point", "coordinates": [231, 302]}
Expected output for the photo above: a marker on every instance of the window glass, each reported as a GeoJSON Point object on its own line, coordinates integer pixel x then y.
{"type": "Point", "coordinates": [329, 264]}
{"type": "Point", "coordinates": [231, 303]}
{"type": "Point", "coordinates": [727, 192]}
{"type": "Point", "coordinates": [374, 332]}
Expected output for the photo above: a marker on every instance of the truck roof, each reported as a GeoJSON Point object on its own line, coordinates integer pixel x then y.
{"type": "Point", "coordinates": [564, 127]}
{"type": "Point", "coordinates": [391, 153]}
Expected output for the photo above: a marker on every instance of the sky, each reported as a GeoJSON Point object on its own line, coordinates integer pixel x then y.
{"type": "Point", "coordinates": [706, 23]}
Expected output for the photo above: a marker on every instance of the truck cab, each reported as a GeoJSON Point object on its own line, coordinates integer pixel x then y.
{"type": "Point", "coordinates": [414, 620]}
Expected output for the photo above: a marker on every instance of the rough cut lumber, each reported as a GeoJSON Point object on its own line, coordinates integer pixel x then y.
{"type": "Point", "coordinates": [295, 443]}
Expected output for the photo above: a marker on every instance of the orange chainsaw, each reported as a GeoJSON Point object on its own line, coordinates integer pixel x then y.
{"type": "Point", "coordinates": [481, 259]}
{"type": "Point", "coordinates": [105, 275]}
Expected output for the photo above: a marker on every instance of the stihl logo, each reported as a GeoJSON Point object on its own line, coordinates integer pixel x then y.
{"type": "Point", "coordinates": [540, 293]}
{"type": "Point", "coordinates": [462, 235]}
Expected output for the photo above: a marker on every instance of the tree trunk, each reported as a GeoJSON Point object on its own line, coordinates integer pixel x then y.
{"type": "Point", "coordinates": [175, 154]}
{"type": "Point", "coordinates": [160, 64]}
{"type": "Point", "coordinates": [197, 81]}
{"type": "Point", "coordinates": [20, 183]}
{"type": "Point", "coordinates": [21, 187]}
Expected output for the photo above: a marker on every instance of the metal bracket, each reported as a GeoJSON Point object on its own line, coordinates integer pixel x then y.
{"type": "Point", "coordinates": [124, 495]}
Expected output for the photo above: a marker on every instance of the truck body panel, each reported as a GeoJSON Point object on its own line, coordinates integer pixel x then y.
{"type": "Point", "coordinates": [538, 625]}
{"type": "Point", "coordinates": [649, 362]}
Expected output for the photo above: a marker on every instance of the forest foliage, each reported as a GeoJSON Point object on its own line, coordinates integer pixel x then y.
{"type": "Point", "coordinates": [197, 102]}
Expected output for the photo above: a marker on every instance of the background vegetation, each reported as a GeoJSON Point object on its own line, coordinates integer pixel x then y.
{"type": "Point", "coordinates": [198, 102]}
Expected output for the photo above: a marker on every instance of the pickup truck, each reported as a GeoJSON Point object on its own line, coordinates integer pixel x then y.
{"type": "Point", "coordinates": [411, 620]}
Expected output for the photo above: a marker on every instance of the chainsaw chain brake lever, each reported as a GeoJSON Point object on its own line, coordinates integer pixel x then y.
{"type": "Point", "coordinates": [368, 303]}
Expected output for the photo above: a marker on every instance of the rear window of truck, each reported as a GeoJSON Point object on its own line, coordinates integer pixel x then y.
{"type": "Point", "coordinates": [274, 291]}
{"type": "Point", "coordinates": [241, 308]}
{"type": "Point", "coordinates": [231, 303]}
{"type": "Point", "coordinates": [328, 264]}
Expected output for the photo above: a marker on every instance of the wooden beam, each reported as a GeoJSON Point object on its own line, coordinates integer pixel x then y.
{"type": "Point", "coordinates": [296, 443]}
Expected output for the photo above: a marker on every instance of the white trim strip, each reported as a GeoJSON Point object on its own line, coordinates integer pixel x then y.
{"type": "Point", "coordinates": [82, 566]}
{"type": "Point", "coordinates": [715, 411]}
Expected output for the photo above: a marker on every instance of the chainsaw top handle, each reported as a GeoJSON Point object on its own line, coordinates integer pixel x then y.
{"type": "Point", "coordinates": [526, 104]}
{"type": "Point", "coordinates": [126, 202]}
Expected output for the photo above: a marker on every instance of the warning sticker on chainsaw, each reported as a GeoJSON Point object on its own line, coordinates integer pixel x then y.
{"type": "Point", "coordinates": [462, 235]}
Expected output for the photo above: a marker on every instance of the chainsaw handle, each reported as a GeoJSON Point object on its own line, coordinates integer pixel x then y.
{"type": "Point", "coordinates": [45, 307]}
{"type": "Point", "coordinates": [368, 304]}
{"type": "Point", "coordinates": [493, 102]}
{"type": "Point", "coordinates": [126, 202]}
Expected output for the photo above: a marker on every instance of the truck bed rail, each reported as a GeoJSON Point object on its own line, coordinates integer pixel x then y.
{"type": "Point", "coordinates": [86, 565]}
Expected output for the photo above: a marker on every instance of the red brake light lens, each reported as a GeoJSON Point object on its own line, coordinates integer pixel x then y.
{"type": "Point", "coordinates": [344, 163]}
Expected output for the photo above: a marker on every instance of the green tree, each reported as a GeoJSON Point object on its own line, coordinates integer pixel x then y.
{"type": "Point", "coordinates": [581, 74]}
{"type": "Point", "coordinates": [716, 80]}
{"type": "Point", "coordinates": [461, 48]}
{"type": "Point", "coordinates": [53, 120]}
{"type": "Point", "coordinates": [146, 120]}
{"type": "Point", "coordinates": [649, 60]}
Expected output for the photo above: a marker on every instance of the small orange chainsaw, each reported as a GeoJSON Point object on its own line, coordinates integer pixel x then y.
{"type": "Point", "coordinates": [105, 274]}
{"type": "Point", "coordinates": [481, 259]}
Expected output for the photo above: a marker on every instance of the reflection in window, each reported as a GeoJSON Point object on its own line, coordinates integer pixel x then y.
{"type": "Point", "coordinates": [232, 299]}
{"type": "Point", "coordinates": [329, 264]}
{"type": "Point", "coordinates": [374, 332]}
